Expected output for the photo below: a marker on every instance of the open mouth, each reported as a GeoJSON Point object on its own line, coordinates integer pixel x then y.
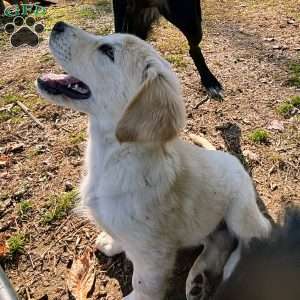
{"type": "Point", "coordinates": [64, 84]}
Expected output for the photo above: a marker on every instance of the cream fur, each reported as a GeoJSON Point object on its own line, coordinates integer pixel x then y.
{"type": "Point", "coordinates": [156, 193]}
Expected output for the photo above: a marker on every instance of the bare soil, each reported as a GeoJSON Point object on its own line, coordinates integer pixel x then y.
{"type": "Point", "coordinates": [249, 46]}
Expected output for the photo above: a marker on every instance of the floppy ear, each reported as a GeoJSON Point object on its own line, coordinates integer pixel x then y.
{"type": "Point", "coordinates": [156, 113]}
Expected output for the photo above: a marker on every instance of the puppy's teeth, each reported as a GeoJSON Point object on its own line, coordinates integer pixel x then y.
{"type": "Point", "coordinates": [69, 85]}
{"type": "Point", "coordinates": [76, 86]}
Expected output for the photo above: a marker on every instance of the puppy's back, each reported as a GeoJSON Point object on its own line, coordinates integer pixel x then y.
{"type": "Point", "coordinates": [269, 269]}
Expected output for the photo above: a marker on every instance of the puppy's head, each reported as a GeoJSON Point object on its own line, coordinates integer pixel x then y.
{"type": "Point", "coordinates": [118, 79]}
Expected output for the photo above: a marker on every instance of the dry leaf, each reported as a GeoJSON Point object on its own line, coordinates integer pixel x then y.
{"type": "Point", "coordinates": [4, 161]}
{"type": "Point", "coordinates": [3, 246]}
{"type": "Point", "coordinates": [276, 125]}
{"type": "Point", "coordinates": [81, 277]}
{"type": "Point", "coordinates": [251, 156]}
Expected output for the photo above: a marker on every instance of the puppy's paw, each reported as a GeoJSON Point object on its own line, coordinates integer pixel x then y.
{"type": "Point", "coordinates": [106, 244]}
{"type": "Point", "coordinates": [198, 288]}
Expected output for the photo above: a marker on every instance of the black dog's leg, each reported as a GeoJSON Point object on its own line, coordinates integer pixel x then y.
{"type": "Point", "coordinates": [186, 16]}
{"type": "Point", "coordinates": [134, 17]}
{"type": "Point", "coordinates": [140, 21]}
{"type": "Point", "coordinates": [210, 82]}
{"type": "Point", "coordinates": [120, 9]}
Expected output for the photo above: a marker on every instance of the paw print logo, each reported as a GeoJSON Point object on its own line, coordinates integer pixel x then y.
{"type": "Point", "coordinates": [24, 31]}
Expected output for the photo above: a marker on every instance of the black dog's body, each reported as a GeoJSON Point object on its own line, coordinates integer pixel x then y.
{"type": "Point", "coordinates": [269, 269]}
{"type": "Point", "coordinates": [137, 16]}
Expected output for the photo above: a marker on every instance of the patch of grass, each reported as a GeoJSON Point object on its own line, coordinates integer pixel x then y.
{"type": "Point", "coordinates": [12, 114]}
{"type": "Point", "coordinates": [295, 74]}
{"type": "Point", "coordinates": [284, 108]}
{"type": "Point", "coordinates": [287, 106]}
{"type": "Point", "coordinates": [24, 207]}
{"type": "Point", "coordinates": [259, 136]}
{"type": "Point", "coordinates": [16, 243]}
{"type": "Point", "coordinates": [88, 12]}
{"type": "Point", "coordinates": [8, 99]}
{"type": "Point", "coordinates": [59, 206]}
{"type": "Point", "coordinates": [68, 14]}
{"type": "Point", "coordinates": [176, 60]}
{"type": "Point", "coordinates": [295, 101]}
{"type": "Point", "coordinates": [78, 138]}
{"type": "Point", "coordinates": [77, 15]}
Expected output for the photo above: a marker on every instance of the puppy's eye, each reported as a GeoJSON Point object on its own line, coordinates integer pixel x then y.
{"type": "Point", "coordinates": [108, 50]}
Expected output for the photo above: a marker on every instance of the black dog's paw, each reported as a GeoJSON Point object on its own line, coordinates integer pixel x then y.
{"type": "Point", "coordinates": [213, 87]}
{"type": "Point", "coordinates": [216, 92]}
{"type": "Point", "coordinates": [24, 31]}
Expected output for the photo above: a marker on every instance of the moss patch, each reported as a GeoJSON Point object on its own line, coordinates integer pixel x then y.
{"type": "Point", "coordinates": [295, 75]}
{"type": "Point", "coordinates": [285, 109]}
{"type": "Point", "coordinates": [259, 136]}
{"type": "Point", "coordinates": [59, 206]}
{"type": "Point", "coordinates": [16, 243]}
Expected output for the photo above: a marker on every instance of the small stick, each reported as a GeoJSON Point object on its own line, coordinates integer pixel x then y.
{"type": "Point", "coordinates": [27, 111]}
{"type": "Point", "coordinates": [31, 261]}
{"type": "Point", "coordinates": [201, 141]}
{"type": "Point", "coordinates": [28, 294]}
{"type": "Point", "coordinates": [200, 102]}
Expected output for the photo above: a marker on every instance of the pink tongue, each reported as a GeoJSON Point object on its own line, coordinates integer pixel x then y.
{"type": "Point", "coordinates": [63, 79]}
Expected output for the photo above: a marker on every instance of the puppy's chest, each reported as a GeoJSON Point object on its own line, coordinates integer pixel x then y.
{"type": "Point", "coordinates": [118, 215]}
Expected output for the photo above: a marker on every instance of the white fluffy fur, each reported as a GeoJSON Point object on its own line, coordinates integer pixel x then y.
{"type": "Point", "coordinates": [151, 197]}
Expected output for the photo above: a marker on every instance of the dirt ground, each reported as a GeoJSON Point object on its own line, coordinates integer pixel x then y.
{"type": "Point", "coordinates": [253, 47]}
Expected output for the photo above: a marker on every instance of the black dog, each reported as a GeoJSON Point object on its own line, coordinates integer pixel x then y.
{"type": "Point", "coordinates": [269, 269]}
{"type": "Point", "coordinates": [137, 16]}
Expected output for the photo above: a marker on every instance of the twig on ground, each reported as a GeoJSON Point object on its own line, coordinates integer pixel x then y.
{"type": "Point", "coordinates": [27, 293]}
{"type": "Point", "coordinates": [31, 261]}
{"type": "Point", "coordinates": [202, 101]}
{"type": "Point", "coordinates": [55, 234]}
{"type": "Point", "coordinates": [202, 141]}
{"type": "Point", "coordinates": [27, 111]}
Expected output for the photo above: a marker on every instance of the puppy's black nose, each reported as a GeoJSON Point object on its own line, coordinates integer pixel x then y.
{"type": "Point", "coordinates": [59, 27]}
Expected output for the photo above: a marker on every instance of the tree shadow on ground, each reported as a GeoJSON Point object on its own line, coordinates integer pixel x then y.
{"type": "Point", "coordinates": [231, 134]}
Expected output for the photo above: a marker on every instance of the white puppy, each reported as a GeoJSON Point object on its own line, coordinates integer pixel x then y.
{"type": "Point", "coordinates": [151, 192]}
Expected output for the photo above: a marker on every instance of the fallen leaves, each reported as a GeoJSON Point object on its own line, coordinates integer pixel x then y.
{"type": "Point", "coordinates": [15, 148]}
{"type": "Point", "coordinates": [3, 246]}
{"type": "Point", "coordinates": [81, 277]}
{"type": "Point", "coordinates": [276, 125]}
{"type": "Point", "coordinates": [4, 160]}
{"type": "Point", "coordinates": [251, 156]}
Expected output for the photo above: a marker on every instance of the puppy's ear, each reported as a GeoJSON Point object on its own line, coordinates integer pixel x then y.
{"type": "Point", "coordinates": [156, 113]}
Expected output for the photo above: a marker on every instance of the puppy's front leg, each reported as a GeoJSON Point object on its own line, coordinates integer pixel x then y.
{"type": "Point", "coordinates": [107, 245]}
{"type": "Point", "coordinates": [150, 277]}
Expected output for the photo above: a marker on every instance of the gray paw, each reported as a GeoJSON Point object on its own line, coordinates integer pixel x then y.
{"type": "Point", "coordinates": [199, 288]}
{"type": "Point", "coordinates": [207, 270]}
